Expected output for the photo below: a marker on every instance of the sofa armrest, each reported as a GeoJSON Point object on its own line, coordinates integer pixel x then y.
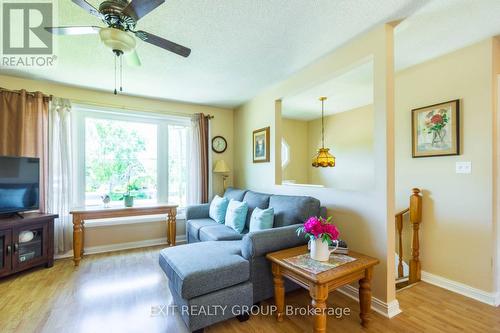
{"type": "Point", "coordinates": [323, 212]}
{"type": "Point", "coordinates": [197, 211]}
{"type": "Point", "coordinates": [259, 243]}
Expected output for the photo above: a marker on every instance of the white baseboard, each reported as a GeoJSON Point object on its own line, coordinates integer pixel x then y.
{"type": "Point", "coordinates": [462, 289]}
{"type": "Point", "coordinates": [181, 239]}
{"type": "Point", "coordinates": [387, 310]}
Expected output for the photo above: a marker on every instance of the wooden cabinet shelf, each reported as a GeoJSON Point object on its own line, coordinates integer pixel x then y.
{"type": "Point", "coordinates": [16, 256]}
{"type": "Point", "coordinates": [34, 242]}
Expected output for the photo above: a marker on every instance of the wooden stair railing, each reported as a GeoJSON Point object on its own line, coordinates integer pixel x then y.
{"type": "Point", "coordinates": [399, 228]}
{"type": "Point", "coordinates": [415, 216]}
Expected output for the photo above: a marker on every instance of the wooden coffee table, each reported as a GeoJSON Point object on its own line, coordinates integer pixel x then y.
{"type": "Point", "coordinates": [321, 284]}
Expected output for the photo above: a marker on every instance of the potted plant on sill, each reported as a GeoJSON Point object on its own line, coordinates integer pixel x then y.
{"type": "Point", "coordinates": [321, 233]}
{"type": "Point", "coordinates": [128, 198]}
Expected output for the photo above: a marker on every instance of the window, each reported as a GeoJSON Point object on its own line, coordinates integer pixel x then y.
{"type": "Point", "coordinates": [285, 153]}
{"type": "Point", "coordinates": [141, 154]}
{"type": "Point", "coordinates": [177, 164]}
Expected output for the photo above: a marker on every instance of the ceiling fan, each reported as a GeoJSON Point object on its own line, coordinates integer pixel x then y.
{"type": "Point", "coordinates": [121, 17]}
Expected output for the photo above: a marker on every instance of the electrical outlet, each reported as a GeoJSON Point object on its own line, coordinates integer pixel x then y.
{"type": "Point", "coordinates": [463, 167]}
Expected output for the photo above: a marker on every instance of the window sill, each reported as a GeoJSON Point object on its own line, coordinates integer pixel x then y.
{"type": "Point", "coordinates": [303, 185]}
{"type": "Point", "coordinates": [130, 220]}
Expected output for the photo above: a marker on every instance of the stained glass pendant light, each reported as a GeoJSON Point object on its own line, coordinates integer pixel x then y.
{"type": "Point", "coordinates": [323, 158]}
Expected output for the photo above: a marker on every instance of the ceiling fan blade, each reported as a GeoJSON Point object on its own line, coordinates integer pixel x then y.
{"type": "Point", "coordinates": [133, 58]}
{"type": "Point", "coordinates": [140, 8]}
{"type": "Point", "coordinates": [87, 7]}
{"type": "Point", "coordinates": [73, 30]}
{"type": "Point", "coordinates": [163, 43]}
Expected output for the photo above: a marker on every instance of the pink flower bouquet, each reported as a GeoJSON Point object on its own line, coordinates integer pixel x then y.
{"type": "Point", "coordinates": [319, 228]}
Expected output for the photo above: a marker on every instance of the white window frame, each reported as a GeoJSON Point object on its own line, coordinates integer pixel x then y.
{"type": "Point", "coordinates": [285, 153]}
{"type": "Point", "coordinates": [81, 112]}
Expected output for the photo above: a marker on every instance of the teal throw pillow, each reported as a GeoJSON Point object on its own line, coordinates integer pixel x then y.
{"type": "Point", "coordinates": [236, 215]}
{"type": "Point", "coordinates": [261, 219]}
{"type": "Point", "coordinates": [218, 209]}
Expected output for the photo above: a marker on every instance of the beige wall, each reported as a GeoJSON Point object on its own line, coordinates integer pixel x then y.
{"type": "Point", "coordinates": [365, 218]}
{"type": "Point", "coordinates": [295, 133]}
{"type": "Point", "coordinates": [222, 124]}
{"type": "Point", "coordinates": [496, 155]}
{"type": "Point", "coordinates": [349, 135]}
{"type": "Point", "coordinates": [457, 232]}
{"type": "Point", "coordinates": [102, 236]}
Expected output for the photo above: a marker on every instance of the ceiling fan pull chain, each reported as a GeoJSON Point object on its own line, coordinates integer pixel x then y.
{"type": "Point", "coordinates": [115, 74]}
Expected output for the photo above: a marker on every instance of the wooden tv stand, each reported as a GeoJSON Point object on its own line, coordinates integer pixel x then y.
{"type": "Point", "coordinates": [17, 255]}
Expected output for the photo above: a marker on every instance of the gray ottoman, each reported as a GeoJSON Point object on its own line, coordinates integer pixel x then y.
{"type": "Point", "coordinates": [209, 281]}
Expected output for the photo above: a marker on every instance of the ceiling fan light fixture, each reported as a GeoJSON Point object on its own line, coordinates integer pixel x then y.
{"type": "Point", "coordinates": [121, 17]}
{"type": "Point", "coordinates": [117, 39]}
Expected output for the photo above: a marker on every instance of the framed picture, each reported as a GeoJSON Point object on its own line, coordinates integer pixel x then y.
{"type": "Point", "coordinates": [261, 145]}
{"type": "Point", "coordinates": [436, 130]}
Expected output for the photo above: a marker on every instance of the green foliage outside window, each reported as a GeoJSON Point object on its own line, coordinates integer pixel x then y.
{"type": "Point", "coordinates": [112, 160]}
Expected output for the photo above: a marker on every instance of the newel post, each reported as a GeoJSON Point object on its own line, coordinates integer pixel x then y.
{"type": "Point", "coordinates": [415, 220]}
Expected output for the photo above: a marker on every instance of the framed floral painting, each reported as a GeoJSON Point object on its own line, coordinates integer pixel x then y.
{"type": "Point", "coordinates": [261, 139]}
{"type": "Point", "coordinates": [436, 130]}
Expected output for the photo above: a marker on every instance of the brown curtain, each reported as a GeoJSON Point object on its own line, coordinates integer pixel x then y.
{"type": "Point", "coordinates": [203, 123]}
{"type": "Point", "coordinates": [24, 120]}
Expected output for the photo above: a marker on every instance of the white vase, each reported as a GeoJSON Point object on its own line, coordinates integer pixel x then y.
{"type": "Point", "coordinates": [320, 250]}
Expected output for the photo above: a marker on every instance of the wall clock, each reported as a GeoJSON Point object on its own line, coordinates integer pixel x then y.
{"type": "Point", "coordinates": [219, 144]}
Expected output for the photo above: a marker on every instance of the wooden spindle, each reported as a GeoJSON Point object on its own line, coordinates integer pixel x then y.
{"type": "Point", "coordinates": [399, 227]}
{"type": "Point", "coordinates": [415, 220]}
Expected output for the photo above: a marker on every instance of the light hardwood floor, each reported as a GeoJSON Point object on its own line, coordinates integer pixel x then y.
{"type": "Point", "coordinates": [114, 292]}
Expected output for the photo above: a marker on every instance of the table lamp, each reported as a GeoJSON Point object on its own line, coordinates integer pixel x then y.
{"type": "Point", "coordinates": [222, 168]}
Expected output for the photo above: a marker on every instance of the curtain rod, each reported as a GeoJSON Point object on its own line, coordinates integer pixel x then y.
{"type": "Point", "coordinates": [122, 107]}
{"type": "Point", "coordinates": [115, 106]}
{"type": "Point", "coordinates": [30, 93]}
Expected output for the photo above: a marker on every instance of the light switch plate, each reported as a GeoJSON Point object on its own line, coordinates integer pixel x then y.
{"type": "Point", "coordinates": [463, 167]}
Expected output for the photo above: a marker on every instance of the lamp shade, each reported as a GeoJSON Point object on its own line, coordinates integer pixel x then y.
{"type": "Point", "coordinates": [323, 159]}
{"type": "Point", "coordinates": [221, 167]}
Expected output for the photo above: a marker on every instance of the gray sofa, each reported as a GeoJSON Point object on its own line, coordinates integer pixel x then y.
{"type": "Point", "coordinates": [221, 266]}
{"type": "Point", "coordinates": [288, 210]}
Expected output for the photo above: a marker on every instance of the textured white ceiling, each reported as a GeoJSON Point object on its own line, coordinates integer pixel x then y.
{"type": "Point", "coordinates": [439, 27]}
{"type": "Point", "coordinates": [239, 47]}
{"type": "Point", "coordinates": [443, 26]}
{"type": "Point", "coordinates": [347, 91]}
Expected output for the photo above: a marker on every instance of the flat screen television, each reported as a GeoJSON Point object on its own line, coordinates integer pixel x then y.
{"type": "Point", "coordinates": [19, 184]}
